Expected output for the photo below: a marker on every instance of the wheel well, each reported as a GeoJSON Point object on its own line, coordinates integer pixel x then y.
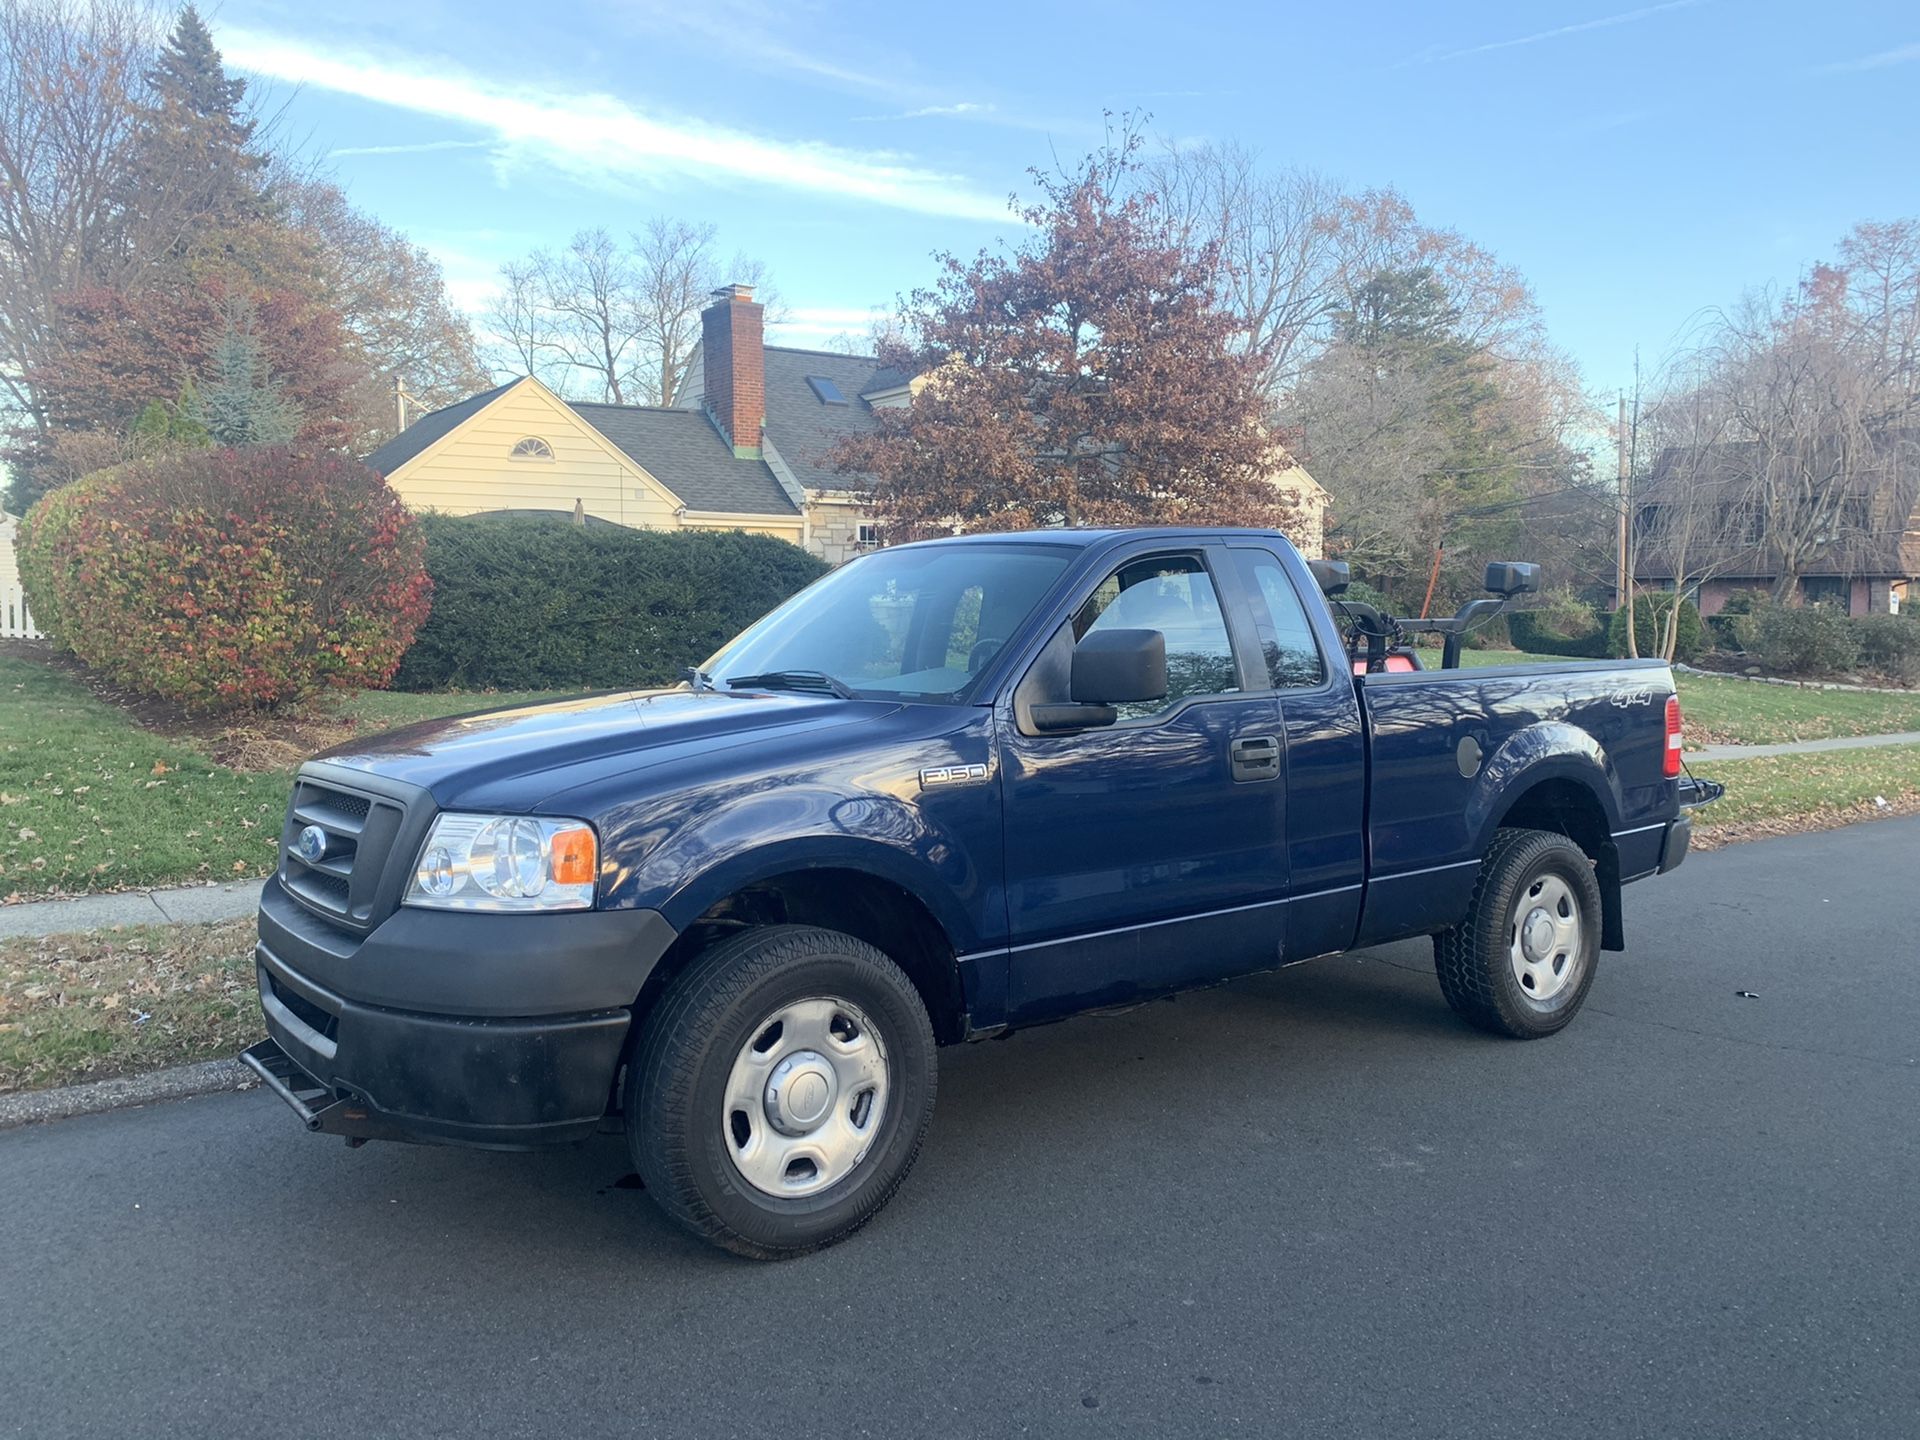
{"type": "Point", "coordinates": [1573, 810]}
{"type": "Point", "coordinates": [887, 917]}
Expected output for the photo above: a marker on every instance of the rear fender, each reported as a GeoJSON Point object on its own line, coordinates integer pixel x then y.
{"type": "Point", "coordinates": [1549, 750]}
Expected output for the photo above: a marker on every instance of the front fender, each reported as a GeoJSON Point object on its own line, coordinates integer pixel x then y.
{"type": "Point", "coordinates": [1547, 750]}
{"type": "Point", "coordinates": [725, 845]}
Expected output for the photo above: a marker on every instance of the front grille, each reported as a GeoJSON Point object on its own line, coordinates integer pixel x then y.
{"type": "Point", "coordinates": [344, 881]}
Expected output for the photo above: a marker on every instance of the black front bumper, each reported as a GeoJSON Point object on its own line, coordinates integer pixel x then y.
{"type": "Point", "coordinates": [491, 1030]}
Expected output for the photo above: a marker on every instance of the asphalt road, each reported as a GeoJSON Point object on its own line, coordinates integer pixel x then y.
{"type": "Point", "coordinates": [1309, 1203]}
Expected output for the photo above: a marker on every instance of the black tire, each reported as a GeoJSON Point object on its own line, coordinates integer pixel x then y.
{"type": "Point", "coordinates": [676, 1088]}
{"type": "Point", "coordinates": [1475, 959]}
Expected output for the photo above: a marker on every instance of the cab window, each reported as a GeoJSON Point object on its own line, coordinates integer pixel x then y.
{"type": "Point", "coordinates": [1174, 595]}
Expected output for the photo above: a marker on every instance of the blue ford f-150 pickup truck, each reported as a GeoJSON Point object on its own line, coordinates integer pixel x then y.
{"type": "Point", "coordinates": [951, 788]}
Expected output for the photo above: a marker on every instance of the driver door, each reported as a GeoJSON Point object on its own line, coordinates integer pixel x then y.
{"type": "Point", "coordinates": [1146, 856]}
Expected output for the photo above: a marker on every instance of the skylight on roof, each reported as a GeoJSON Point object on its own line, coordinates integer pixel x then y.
{"type": "Point", "coordinates": [828, 392]}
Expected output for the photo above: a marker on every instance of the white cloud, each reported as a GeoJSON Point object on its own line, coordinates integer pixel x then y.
{"type": "Point", "coordinates": [1625, 17]}
{"type": "Point", "coordinates": [601, 139]}
{"type": "Point", "coordinates": [421, 147]}
{"type": "Point", "coordinates": [1899, 55]}
{"type": "Point", "coordinates": [964, 107]}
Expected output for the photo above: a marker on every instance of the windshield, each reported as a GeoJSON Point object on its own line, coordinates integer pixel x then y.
{"type": "Point", "coordinates": [919, 623]}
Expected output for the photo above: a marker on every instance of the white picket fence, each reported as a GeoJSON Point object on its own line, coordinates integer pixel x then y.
{"type": "Point", "coordinates": [16, 623]}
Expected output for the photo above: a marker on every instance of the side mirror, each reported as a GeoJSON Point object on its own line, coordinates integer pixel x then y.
{"type": "Point", "coordinates": [1508, 578]}
{"type": "Point", "coordinates": [1332, 576]}
{"type": "Point", "coordinates": [1119, 667]}
{"type": "Point", "coordinates": [1110, 667]}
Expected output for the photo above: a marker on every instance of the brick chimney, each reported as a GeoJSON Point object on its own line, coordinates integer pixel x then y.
{"type": "Point", "coordinates": [733, 347]}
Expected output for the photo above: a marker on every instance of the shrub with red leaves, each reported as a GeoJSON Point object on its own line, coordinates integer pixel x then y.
{"type": "Point", "coordinates": [230, 579]}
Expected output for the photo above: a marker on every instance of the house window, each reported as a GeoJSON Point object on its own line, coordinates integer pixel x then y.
{"type": "Point", "coordinates": [867, 537]}
{"type": "Point", "coordinates": [1827, 590]}
{"type": "Point", "coordinates": [828, 392]}
{"type": "Point", "coordinates": [531, 448]}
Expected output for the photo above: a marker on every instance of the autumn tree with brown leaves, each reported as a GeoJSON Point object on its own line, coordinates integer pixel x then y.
{"type": "Point", "coordinates": [1085, 378]}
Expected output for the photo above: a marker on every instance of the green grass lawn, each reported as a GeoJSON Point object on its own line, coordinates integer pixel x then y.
{"type": "Point", "coordinates": [1430, 657]}
{"type": "Point", "coordinates": [88, 1007]}
{"type": "Point", "coordinates": [1739, 712]}
{"type": "Point", "coordinates": [1799, 786]}
{"type": "Point", "coordinates": [91, 801]}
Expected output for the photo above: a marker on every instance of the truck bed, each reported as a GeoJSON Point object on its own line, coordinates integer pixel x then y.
{"type": "Point", "coordinates": [1446, 743]}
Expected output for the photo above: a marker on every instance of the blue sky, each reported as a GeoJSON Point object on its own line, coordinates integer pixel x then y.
{"type": "Point", "coordinates": [1636, 162]}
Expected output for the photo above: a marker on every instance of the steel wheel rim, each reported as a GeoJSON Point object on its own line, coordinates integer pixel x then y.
{"type": "Point", "coordinates": [806, 1097]}
{"type": "Point", "coordinates": [1545, 942]}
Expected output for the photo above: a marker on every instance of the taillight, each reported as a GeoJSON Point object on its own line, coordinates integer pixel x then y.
{"type": "Point", "coordinates": [1671, 766]}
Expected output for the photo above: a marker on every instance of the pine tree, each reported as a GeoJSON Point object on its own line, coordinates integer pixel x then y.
{"type": "Point", "coordinates": [195, 155]}
{"type": "Point", "coordinates": [185, 428]}
{"type": "Point", "coordinates": [190, 74]}
{"type": "Point", "coordinates": [242, 403]}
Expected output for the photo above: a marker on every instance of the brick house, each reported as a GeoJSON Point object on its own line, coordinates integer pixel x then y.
{"type": "Point", "coordinates": [1867, 564]}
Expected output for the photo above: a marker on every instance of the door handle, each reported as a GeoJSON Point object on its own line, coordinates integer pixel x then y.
{"type": "Point", "coordinates": [1255, 757]}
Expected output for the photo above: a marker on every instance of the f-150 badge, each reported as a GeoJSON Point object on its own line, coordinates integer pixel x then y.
{"type": "Point", "coordinates": [951, 775]}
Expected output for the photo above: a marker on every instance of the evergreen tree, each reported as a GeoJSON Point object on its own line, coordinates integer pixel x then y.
{"type": "Point", "coordinates": [184, 427]}
{"type": "Point", "coordinates": [242, 403]}
{"type": "Point", "coordinates": [163, 426]}
{"type": "Point", "coordinates": [189, 74]}
{"type": "Point", "coordinates": [195, 155]}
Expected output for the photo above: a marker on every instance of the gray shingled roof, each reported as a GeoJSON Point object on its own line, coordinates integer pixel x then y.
{"type": "Point", "coordinates": [429, 428]}
{"type": "Point", "coordinates": [682, 450]}
{"type": "Point", "coordinates": [803, 429]}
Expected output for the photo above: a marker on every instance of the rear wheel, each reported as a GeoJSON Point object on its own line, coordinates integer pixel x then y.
{"type": "Point", "coordinates": [1522, 960]}
{"type": "Point", "coordinates": [781, 1090]}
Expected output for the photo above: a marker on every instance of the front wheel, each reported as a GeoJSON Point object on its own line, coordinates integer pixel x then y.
{"type": "Point", "coordinates": [781, 1090]}
{"type": "Point", "coordinates": [1522, 960]}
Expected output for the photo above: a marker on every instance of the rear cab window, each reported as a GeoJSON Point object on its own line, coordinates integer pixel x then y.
{"type": "Point", "coordinates": [1288, 648]}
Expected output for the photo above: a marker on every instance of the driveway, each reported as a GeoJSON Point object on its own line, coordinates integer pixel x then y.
{"type": "Point", "coordinates": [1309, 1203]}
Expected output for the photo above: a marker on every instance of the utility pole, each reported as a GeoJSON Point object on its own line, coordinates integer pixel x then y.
{"type": "Point", "coordinates": [400, 404]}
{"type": "Point", "coordinates": [1621, 578]}
{"type": "Point", "coordinates": [1626, 510]}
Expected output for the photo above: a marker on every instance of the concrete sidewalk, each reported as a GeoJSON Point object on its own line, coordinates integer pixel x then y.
{"type": "Point", "coordinates": [189, 905]}
{"type": "Point", "coordinates": [1803, 747]}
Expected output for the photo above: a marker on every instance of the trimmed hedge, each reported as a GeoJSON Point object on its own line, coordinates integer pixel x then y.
{"type": "Point", "coordinates": [229, 579]}
{"type": "Point", "coordinates": [1802, 639]}
{"type": "Point", "coordinates": [1890, 644]}
{"type": "Point", "coordinates": [532, 603]}
{"type": "Point", "coordinates": [1650, 628]}
{"type": "Point", "coordinates": [1532, 634]}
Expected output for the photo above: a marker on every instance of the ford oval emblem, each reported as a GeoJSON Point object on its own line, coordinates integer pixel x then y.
{"type": "Point", "coordinates": [311, 844]}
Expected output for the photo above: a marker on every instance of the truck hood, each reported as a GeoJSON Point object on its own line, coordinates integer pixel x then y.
{"type": "Point", "coordinates": [460, 754]}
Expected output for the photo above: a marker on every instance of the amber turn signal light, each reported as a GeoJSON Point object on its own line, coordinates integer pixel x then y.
{"type": "Point", "coordinates": [574, 854]}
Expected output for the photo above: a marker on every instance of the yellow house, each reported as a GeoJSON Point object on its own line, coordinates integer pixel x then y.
{"type": "Point", "coordinates": [519, 449]}
{"type": "Point", "coordinates": [748, 446]}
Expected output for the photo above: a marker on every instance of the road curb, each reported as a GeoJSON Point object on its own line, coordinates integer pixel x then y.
{"type": "Point", "coordinates": [178, 1083]}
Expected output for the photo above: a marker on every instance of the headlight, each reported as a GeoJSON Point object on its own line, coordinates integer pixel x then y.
{"type": "Point", "coordinates": [512, 863]}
